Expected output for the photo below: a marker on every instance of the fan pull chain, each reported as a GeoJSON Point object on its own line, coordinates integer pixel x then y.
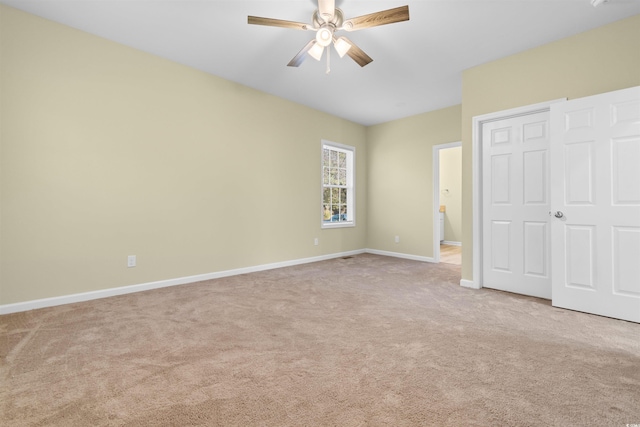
{"type": "Point", "coordinates": [328, 59]}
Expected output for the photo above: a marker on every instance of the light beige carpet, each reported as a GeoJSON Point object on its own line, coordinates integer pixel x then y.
{"type": "Point", "coordinates": [364, 341]}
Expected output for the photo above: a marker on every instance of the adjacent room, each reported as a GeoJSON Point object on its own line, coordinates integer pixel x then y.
{"type": "Point", "coordinates": [318, 212]}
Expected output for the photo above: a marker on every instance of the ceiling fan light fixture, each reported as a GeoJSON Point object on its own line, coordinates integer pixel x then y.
{"type": "Point", "coordinates": [327, 20]}
{"type": "Point", "coordinates": [342, 46]}
{"type": "Point", "coordinates": [324, 36]}
{"type": "Point", "coordinates": [316, 51]}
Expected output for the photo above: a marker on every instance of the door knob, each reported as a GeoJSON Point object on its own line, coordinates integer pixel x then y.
{"type": "Point", "coordinates": [558, 214]}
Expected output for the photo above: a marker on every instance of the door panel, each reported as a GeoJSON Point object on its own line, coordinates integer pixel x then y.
{"type": "Point", "coordinates": [535, 249]}
{"type": "Point", "coordinates": [595, 174]}
{"type": "Point", "coordinates": [626, 158]}
{"type": "Point", "coordinates": [501, 246]}
{"type": "Point", "coordinates": [535, 131]}
{"type": "Point", "coordinates": [578, 173]}
{"type": "Point", "coordinates": [536, 171]}
{"type": "Point", "coordinates": [579, 256]}
{"type": "Point", "coordinates": [500, 178]}
{"type": "Point", "coordinates": [626, 270]}
{"type": "Point", "coordinates": [516, 205]}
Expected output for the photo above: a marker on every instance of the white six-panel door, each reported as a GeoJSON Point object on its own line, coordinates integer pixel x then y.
{"type": "Point", "coordinates": [595, 199]}
{"type": "Point", "coordinates": [515, 217]}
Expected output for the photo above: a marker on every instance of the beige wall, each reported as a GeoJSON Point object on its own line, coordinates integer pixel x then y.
{"type": "Point", "coordinates": [451, 181]}
{"type": "Point", "coordinates": [597, 61]}
{"type": "Point", "coordinates": [106, 151]}
{"type": "Point", "coordinates": [400, 180]}
{"type": "Point", "coordinates": [109, 152]}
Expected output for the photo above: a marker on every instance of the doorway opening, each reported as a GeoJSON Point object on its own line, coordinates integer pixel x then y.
{"type": "Point", "coordinates": [447, 203]}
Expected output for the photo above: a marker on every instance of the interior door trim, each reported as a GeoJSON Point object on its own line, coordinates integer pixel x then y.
{"type": "Point", "coordinates": [476, 144]}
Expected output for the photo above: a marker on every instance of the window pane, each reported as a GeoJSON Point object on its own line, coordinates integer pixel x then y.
{"type": "Point", "coordinates": [343, 213]}
{"type": "Point", "coordinates": [326, 197]}
{"type": "Point", "coordinates": [335, 196]}
{"type": "Point", "coordinates": [336, 213]}
{"type": "Point", "coordinates": [334, 176]}
{"type": "Point", "coordinates": [343, 195]}
{"type": "Point", "coordinates": [342, 177]}
{"type": "Point", "coordinates": [334, 158]}
{"type": "Point", "coordinates": [326, 180]}
{"type": "Point", "coordinates": [326, 214]}
{"type": "Point", "coordinates": [326, 156]}
{"type": "Point", "coordinates": [342, 162]}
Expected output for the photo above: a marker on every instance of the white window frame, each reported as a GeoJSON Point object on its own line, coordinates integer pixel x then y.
{"type": "Point", "coordinates": [351, 184]}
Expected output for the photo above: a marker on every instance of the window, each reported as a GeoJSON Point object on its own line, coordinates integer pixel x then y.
{"type": "Point", "coordinates": [338, 189]}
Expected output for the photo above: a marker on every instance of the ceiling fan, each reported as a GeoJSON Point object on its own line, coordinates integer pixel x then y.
{"type": "Point", "coordinates": [327, 20]}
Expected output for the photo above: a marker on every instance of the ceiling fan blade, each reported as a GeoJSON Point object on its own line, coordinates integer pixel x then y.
{"type": "Point", "coordinates": [257, 20]}
{"type": "Point", "coordinates": [326, 9]}
{"type": "Point", "coordinates": [297, 60]}
{"type": "Point", "coordinates": [384, 17]}
{"type": "Point", "coordinates": [357, 54]}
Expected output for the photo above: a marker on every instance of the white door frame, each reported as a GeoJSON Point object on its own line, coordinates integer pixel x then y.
{"type": "Point", "coordinates": [436, 195]}
{"type": "Point", "coordinates": [476, 142]}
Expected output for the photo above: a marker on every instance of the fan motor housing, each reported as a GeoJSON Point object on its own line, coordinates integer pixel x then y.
{"type": "Point", "coordinates": [335, 22]}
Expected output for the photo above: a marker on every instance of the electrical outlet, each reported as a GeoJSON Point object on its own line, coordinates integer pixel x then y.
{"type": "Point", "coordinates": [131, 261]}
{"type": "Point", "coordinates": [397, 239]}
{"type": "Point", "coordinates": [315, 241]}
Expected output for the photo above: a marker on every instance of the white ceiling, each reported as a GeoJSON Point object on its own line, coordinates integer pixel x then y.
{"type": "Point", "coordinates": [417, 65]}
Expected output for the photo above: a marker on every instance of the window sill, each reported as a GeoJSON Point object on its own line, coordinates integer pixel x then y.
{"type": "Point", "coordinates": [341, 224]}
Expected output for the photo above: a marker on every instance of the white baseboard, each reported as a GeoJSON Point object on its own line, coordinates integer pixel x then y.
{"type": "Point", "coordinates": [447, 242]}
{"type": "Point", "coordinates": [469, 284]}
{"type": "Point", "coordinates": [400, 255]}
{"type": "Point", "coordinates": [105, 293]}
